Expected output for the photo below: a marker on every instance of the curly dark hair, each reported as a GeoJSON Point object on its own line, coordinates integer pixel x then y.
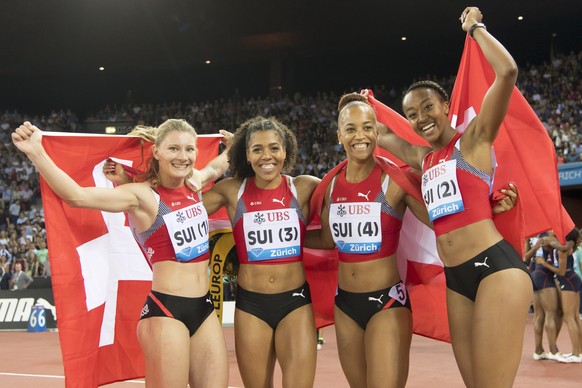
{"type": "Point", "coordinates": [429, 85]}
{"type": "Point", "coordinates": [573, 236]}
{"type": "Point", "coordinates": [237, 152]}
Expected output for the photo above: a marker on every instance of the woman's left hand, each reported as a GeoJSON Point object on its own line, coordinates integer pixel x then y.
{"type": "Point", "coordinates": [508, 202]}
{"type": "Point", "coordinates": [227, 139]}
{"type": "Point", "coordinates": [470, 16]}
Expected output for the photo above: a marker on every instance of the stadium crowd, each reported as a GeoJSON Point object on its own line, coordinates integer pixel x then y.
{"type": "Point", "coordinates": [553, 89]}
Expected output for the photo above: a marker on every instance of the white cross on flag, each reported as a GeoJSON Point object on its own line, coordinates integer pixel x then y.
{"type": "Point", "coordinates": [99, 275]}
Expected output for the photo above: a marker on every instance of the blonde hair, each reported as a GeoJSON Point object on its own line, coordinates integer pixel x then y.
{"type": "Point", "coordinates": [157, 135]}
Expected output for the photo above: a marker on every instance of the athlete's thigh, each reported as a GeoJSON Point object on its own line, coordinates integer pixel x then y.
{"type": "Point", "coordinates": [208, 356]}
{"type": "Point", "coordinates": [255, 349]}
{"type": "Point", "coordinates": [387, 341]}
{"type": "Point", "coordinates": [460, 315]}
{"type": "Point", "coordinates": [537, 305]}
{"type": "Point", "coordinates": [570, 303]}
{"type": "Point", "coordinates": [351, 348]}
{"type": "Point", "coordinates": [500, 314]}
{"type": "Point", "coordinates": [164, 342]}
{"type": "Point", "coordinates": [549, 300]}
{"type": "Point", "coordinates": [296, 347]}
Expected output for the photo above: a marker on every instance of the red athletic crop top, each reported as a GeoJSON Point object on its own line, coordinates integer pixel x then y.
{"type": "Point", "coordinates": [363, 224]}
{"type": "Point", "coordinates": [180, 230]}
{"type": "Point", "coordinates": [474, 187]}
{"type": "Point", "coordinates": [268, 226]}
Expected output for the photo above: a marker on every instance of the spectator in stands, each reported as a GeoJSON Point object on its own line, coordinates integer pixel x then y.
{"type": "Point", "coordinates": [5, 274]}
{"type": "Point", "coordinates": [4, 220]}
{"type": "Point", "coordinates": [6, 253]}
{"type": "Point", "coordinates": [36, 267]}
{"type": "Point", "coordinates": [14, 210]}
{"type": "Point", "coordinates": [42, 251]}
{"type": "Point", "coordinates": [20, 279]}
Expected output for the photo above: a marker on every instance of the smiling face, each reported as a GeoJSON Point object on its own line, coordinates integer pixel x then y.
{"type": "Point", "coordinates": [357, 130]}
{"type": "Point", "coordinates": [427, 113]}
{"type": "Point", "coordinates": [266, 155]}
{"type": "Point", "coordinates": [176, 155]}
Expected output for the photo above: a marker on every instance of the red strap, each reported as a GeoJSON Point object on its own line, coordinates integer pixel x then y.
{"type": "Point", "coordinates": [405, 177]}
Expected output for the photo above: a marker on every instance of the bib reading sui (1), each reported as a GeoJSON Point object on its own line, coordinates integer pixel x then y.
{"type": "Point", "coordinates": [188, 230]}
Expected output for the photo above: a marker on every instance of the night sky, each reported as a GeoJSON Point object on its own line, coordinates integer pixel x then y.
{"type": "Point", "coordinates": [52, 49]}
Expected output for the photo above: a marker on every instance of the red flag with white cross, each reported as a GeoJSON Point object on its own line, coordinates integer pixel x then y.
{"type": "Point", "coordinates": [100, 277]}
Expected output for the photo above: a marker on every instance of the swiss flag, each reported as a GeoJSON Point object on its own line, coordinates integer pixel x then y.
{"type": "Point", "coordinates": [99, 275]}
{"type": "Point", "coordinates": [524, 151]}
{"type": "Point", "coordinates": [418, 261]}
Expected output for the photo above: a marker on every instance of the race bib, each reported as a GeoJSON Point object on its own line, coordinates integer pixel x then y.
{"type": "Point", "coordinates": [272, 234]}
{"type": "Point", "coordinates": [440, 190]}
{"type": "Point", "coordinates": [356, 226]}
{"type": "Point", "coordinates": [188, 229]}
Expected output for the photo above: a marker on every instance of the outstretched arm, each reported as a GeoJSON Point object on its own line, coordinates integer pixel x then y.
{"type": "Point", "coordinates": [27, 138]}
{"type": "Point", "coordinates": [496, 100]}
{"type": "Point", "coordinates": [217, 166]}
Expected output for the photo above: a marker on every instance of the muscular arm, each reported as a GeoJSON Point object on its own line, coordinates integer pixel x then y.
{"type": "Point", "coordinates": [218, 195]}
{"type": "Point", "coordinates": [418, 209]}
{"type": "Point", "coordinates": [305, 186]}
{"type": "Point", "coordinates": [496, 100]}
{"type": "Point", "coordinates": [409, 153]}
{"type": "Point", "coordinates": [27, 139]}
{"type": "Point", "coordinates": [217, 166]}
{"type": "Point", "coordinates": [321, 238]}
{"type": "Point", "coordinates": [531, 252]}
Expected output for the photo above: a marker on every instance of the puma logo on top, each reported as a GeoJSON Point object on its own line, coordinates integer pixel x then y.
{"type": "Point", "coordinates": [279, 201]}
{"type": "Point", "coordinates": [299, 293]}
{"type": "Point", "coordinates": [364, 195]}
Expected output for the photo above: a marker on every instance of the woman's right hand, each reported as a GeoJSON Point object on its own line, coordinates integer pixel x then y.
{"type": "Point", "coordinates": [115, 173]}
{"type": "Point", "coordinates": [27, 138]}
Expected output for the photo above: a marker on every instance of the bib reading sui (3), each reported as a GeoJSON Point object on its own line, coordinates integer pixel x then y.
{"type": "Point", "coordinates": [272, 234]}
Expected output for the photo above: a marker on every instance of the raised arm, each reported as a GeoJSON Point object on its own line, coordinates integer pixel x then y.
{"type": "Point", "coordinates": [409, 153]}
{"type": "Point", "coordinates": [532, 251]}
{"type": "Point", "coordinates": [27, 138]}
{"type": "Point", "coordinates": [496, 100]}
{"type": "Point", "coordinates": [217, 166]}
